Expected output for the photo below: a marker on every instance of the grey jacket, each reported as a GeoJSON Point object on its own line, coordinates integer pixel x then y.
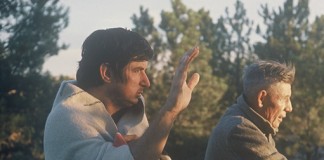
{"type": "Point", "coordinates": [242, 134]}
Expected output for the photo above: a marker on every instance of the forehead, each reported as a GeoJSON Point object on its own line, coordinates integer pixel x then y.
{"type": "Point", "coordinates": [280, 89]}
{"type": "Point", "coordinates": [137, 64]}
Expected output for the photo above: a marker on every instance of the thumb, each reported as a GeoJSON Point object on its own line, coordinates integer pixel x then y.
{"type": "Point", "coordinates": [119, 140]}
{"type": "Point", "coordinates": [193, 81]}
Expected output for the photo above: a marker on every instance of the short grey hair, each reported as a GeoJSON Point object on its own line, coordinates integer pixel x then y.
{"type": "Point", "coordinates": [261, 74]}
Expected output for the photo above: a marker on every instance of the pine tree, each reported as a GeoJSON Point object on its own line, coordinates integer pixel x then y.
{"type": "Point", "coordinates": [29, 34]}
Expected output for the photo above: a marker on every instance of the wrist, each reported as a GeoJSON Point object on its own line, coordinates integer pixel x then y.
{"type": "Point", "coordinates": [169, 114]}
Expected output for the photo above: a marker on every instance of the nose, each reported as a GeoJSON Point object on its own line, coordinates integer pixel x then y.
{"type": "Point", "coordinates": [289, 107]}
{"type": "Point", "coordinates": [145, 80]}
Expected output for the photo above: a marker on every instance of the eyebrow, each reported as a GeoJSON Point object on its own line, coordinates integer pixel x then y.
{"type": "Point", "coordinates": [138, 68]}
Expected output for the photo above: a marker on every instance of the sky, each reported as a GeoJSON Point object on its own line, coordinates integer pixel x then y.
{"type": "Point", "coordinates": [87, 16]}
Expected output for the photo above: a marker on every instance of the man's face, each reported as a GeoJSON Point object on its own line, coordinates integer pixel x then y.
{"type": "Point", "coordinates": [277, 103]}
{"type": "Point", "coordinates": [127, 92]}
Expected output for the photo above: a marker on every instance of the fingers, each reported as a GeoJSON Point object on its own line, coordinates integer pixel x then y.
{"type": "Point", "coordinates": [193, 54]}
{"type": "Point", "coordinates": [193, 81]}
{"type": "Point", "coordinates": [190, 56]}
{"type": "Point", "coordinates": [181, 73]}
{"type": "Point", "coordinates": [129, 138]}
{"type": "Point", "coordinates": [185, 61]}
{"type": "Point", "coordinates": [123, 139]}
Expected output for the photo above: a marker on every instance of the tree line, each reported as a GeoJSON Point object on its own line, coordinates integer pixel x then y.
{"type": "Point", "coordinates": [226, 47]}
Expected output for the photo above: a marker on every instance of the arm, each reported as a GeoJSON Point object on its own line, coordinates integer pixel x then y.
{"type": "Point", "coordinates": [250, 143]}
{"type": "Point", "coordinates": [151, 144]}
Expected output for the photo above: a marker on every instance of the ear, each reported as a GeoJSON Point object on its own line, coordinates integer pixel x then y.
{"type": "Point", "coordinates": [105, 73]}
{"type": "Point", "coordinates": [261, 97]}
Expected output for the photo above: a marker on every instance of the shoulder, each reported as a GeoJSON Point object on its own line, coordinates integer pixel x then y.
{"type": "Point", "coordinates": [234, 127]}
{"type": "Point", "coordinates": [220, 143]}
{"type": "Point", "coordinates": [234, 119]}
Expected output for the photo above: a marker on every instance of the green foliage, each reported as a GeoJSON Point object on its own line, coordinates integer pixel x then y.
{"type": "Point", "coordinates": [286, 33]}
{"type": "Point", "coordinates": [32, 31]}
{"type": "Point", "coordinates": [308, 97]}
{"type": "Point", "coordinates": [145, 26]}
{"type": "Point", "coordinates": [232, 50]}
{"type": "Point", "coordinates": [29, 34]}
{"type": "Point", "coordinates": [186, 23]}
{"type": "Point", "coordinates": [23, 114]}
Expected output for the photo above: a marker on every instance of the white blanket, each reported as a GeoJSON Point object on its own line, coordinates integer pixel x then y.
{"type": "Point", "coordinates": [80, 128]}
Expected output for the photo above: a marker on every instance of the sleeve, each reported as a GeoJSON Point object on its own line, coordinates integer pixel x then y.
{"type": "Point", "coordinates": [97, 149]}
{"type": "Point", "coordinates": [249, 143]}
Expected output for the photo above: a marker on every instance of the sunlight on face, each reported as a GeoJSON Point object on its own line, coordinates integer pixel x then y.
{"type": "Point", "coordinates": [136, 80]}
{"type": "Point", "coordinates": [277, 103]}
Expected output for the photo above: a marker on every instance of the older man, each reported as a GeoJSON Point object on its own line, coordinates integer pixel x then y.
{"type": "Point", "coordinates": [245, 131]}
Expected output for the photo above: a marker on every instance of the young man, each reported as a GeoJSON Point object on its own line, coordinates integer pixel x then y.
{"type": "Point", "coordinates": [101, 114]}
{"type": "Point", "coordinates": [245, 131]}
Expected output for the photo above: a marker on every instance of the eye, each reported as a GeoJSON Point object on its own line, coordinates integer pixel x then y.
{"type": "Point", "coordinates": [287, 99]}
{"type": "Point", "coordinates": [137, 70]}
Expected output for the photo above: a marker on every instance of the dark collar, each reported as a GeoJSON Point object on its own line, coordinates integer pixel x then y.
{"type": "Point", "coordinates": [263, 124]}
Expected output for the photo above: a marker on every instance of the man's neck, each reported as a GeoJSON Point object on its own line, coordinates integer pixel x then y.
{"type": "Point", "coordinates": [117, 115]}
{"type": "Point", "coordinates": [99, 93]}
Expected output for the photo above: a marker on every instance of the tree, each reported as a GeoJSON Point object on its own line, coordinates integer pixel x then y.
{"type": "Point", "coordinates": [182, 28]}
{"type": "Point", "coordinates": [232, 50]}
{"type": "Point", "coordinates": [286, 32]}
{"type": "Point", "coordinates": [144, 25]}
{"type": "Point", "coordinates": [308, 97]}
{"type": "Point", "coordinates": [29, 35]}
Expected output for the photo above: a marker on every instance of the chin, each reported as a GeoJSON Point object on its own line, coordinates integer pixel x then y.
{"type": "Point", "coordinates": [276, 126]}
{"type": "Point", "coordinates": [134, 101]}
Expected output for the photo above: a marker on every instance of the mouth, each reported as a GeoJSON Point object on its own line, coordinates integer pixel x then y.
{"type": "Point", "coordinates": [280, 118]}
{"type": "Point", "coordinates": [139, 93]}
